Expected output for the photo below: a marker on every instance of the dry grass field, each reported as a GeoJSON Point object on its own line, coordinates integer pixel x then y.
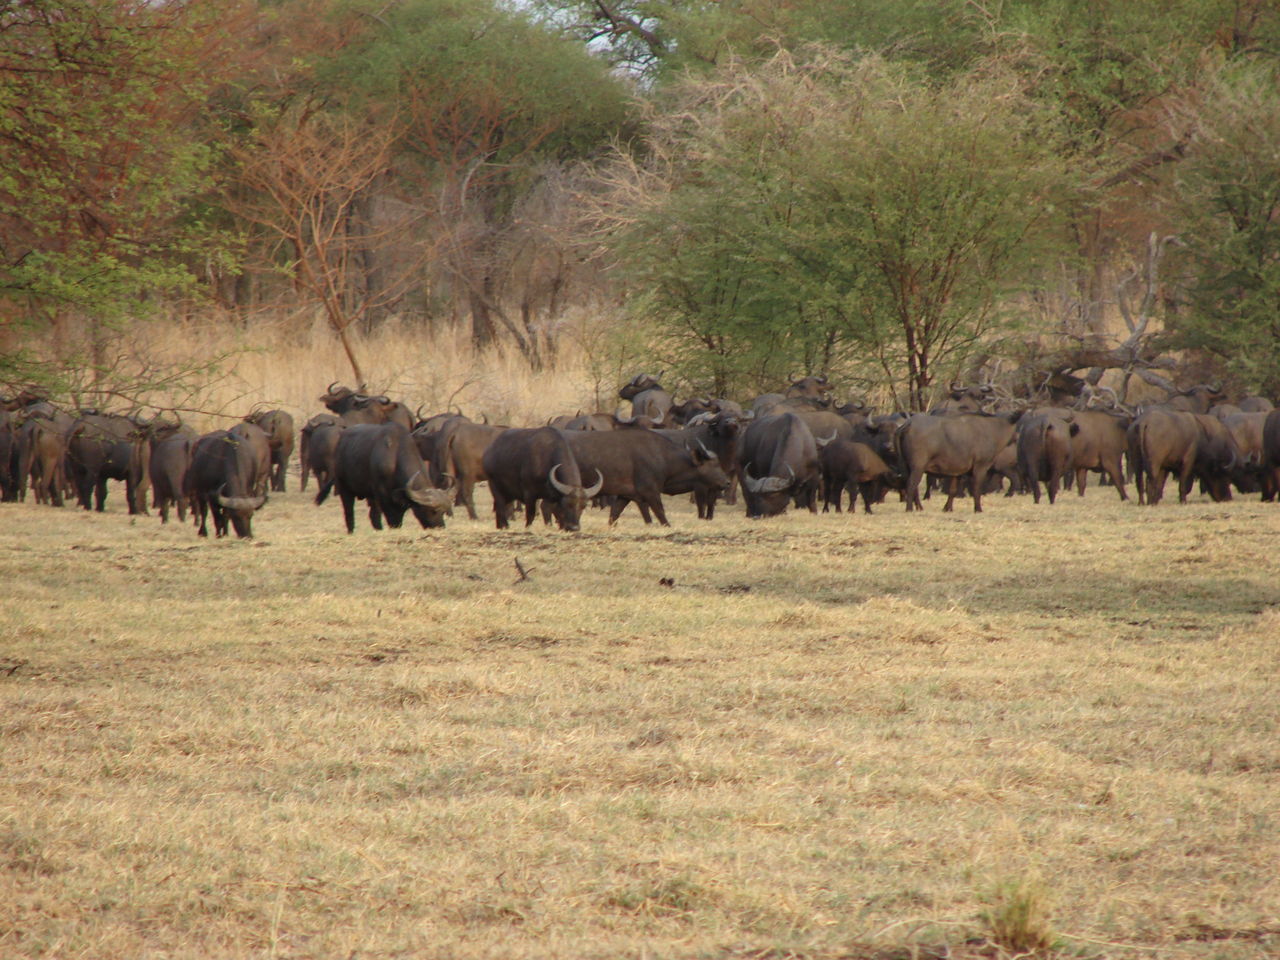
{"type": "Point", "coordinates": [1052, 729]}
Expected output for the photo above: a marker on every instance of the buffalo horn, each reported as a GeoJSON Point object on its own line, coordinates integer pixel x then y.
{"type": "Point", "coordinates": [823, 441]}
{"type": "Point", "coordinates": [707, 453]}
{"type": "Point", "coordinates": [555, 482]}
{"type": "Point", "coordinates": [239, 503]}
{"type": "Point", "coordinates": [765, 484]}
{"type": "Point", "coordinates": [595, 488]}
{"type": "Point", "coordinates": [429, 497]}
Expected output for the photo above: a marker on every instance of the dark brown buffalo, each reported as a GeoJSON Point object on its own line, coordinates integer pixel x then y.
{"type": "Point", "coordinates": [8, 456]}
{"type": "Point", "coordinates": [1246, 430]}
{"type": "Point", "coordinates": [463, 459]}
{"type": "Point", "coordinates": [953, 445]}
{"type": "Point", "coordinates": [648, 399]}
{"type": "Point", "coordinates": [682, 413]}
{"type": "Point", "coordinates": [1045, 450]}
{"type": "Point", "coordinates": [1163, 441]}
{"type": "Point", "coordinates": [171, 446]}
{"type": "Point", "coordinates": [225, 474]}
{"type": "Point", "coordinates": [356, 408]}
{"type": "Point", "coordinates": [720, 433]}
{"type": "Point", "coordinates": [379, 463]}
{"type": "Point", "coordinates": [431, 435]}
{"type": "Point", "coordinates": [536, 465]}
{"type": "Point", "coordinates": [852, 466]}
{"type": "Point", "coordinates": [104, 447]}
{"type": "Point", "coordinates": [962, 399]}
{"type": "Point", "coordinates": [278, 426]}
{"type": "Point", "coordinates": [256, 440]}
{"type": "Point", "coordinates": [1271, 455]}
{"type": "Point", "coordinates": [311, 459]}
{"type": "Point", "coordinates": [642, 465]}
{"type": "Point", "coordinates": [1197, 399]}
{"type": "Point", "coordinates": [1218, 458]}
{"type": "Point", "coordinates": [778, 463]}
{"type": "Point", "coordinates": [814, 389]}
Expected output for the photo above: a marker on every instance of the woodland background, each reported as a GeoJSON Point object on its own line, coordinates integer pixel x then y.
{"type": "Point", "coordinates": [891, 193]}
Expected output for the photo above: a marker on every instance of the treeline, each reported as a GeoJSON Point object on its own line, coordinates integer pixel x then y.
{"type": "Point", "coordinates": [894, 193]}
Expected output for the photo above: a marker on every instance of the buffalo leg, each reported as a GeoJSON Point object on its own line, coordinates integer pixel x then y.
{"type": "Point", "coordinates": [911, 492]}
{"type": "Point", "coordinates": [501, 509]}
{"type": "Point", "coordinates": [615, 510]}
{"type": "Point", "coordinates": [979, 475]}
{"type": "Point", "coordinates": [348, 510]}
{"type": "Point", "coordinates": [1117, 477]}
{"type": "Point", "coordinates": [658, 510]}
{"type": "Point", "coordinates": [375, 514]}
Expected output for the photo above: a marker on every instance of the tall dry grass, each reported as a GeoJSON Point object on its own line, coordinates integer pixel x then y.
{"type": "Point", "coordinates": [286, 360]}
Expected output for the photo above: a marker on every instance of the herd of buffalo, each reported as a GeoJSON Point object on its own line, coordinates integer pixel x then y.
{"type": "Point", "coordinates": [784, 448]}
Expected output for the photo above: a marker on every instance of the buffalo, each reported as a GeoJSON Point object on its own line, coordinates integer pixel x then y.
{"type": "Point", "coordinates": [317, 441]}
{"type": "Point", "coordinates": [962, 399]}
{"type": "Point", "coordinates": [104, 447]}
{"type": "Point", "coordinates": [278, 426]}
{"type": "Point", "coordinates": [1163, 441]}
{"type": "Point", "coordinates": [778, 463]}
{"type": "Point", "coordinates": [171, 446]}
{"type": "Point", "coordinates": [953, 445]}
{"type": "Point", "coordinates": [532, 465]}
{"type": "Point", "coordinates": [462, 457]}
{"type": "Point", "coordinates": [648, 399]}
{"type": "Point", "coordinates": [719, 433]}
{"type": "Point", "coordinates": [847, 465]}
{"type": "Point", "coordinates": [355, 408]}
{"type": "Point", "coordinates": [1045, 450]}
{"type": "Point", "coordinates": [642, 465]}
{"type": "Point", "coordinates": [224, 478]}
{"type": "Point", "coordinates": [380, 464]}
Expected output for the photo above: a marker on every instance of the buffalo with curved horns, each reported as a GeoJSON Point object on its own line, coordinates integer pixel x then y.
{"type": "Point", "coordinates": [529, 465]}
{"type": "Point", "coordinates": [380, 463]}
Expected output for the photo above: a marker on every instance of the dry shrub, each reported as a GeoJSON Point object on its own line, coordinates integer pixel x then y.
{"type": "Point", "coordinates": [1017, 920]}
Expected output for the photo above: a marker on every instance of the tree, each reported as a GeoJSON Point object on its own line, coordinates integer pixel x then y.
{"type": "Point", "coordinates": [823, 211]}
{"type": "Point", "coordinates": [98, 161]}
{"type": "Point", "coordinates": [493, 107]}
{"type": "Point", "coordinates": [1226, 198]}
{"type": "Point", "coordinates": [308, 173]}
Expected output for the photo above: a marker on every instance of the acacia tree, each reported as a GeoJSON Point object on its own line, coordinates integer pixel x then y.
{"type": "Point", "coordinates": [813, 212]}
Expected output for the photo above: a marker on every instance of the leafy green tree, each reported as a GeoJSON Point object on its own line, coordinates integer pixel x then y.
{"type": "Point", "coordinates": [832, 214]}
{"type": "Point", "coordinates": [1226, 197]}
{"type": "Point", "coordinates": [98, 157]}
{"type": "Point", "coordinates": [493, 105]}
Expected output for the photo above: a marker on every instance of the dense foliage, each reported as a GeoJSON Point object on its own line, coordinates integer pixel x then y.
{"type": "Point", "coordinates": [870, 190]}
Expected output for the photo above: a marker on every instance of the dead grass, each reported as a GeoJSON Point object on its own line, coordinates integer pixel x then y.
{"type": "Point", "coordinates": [285, 361]}
{"type": "Point", "coordinates": [829, 737]}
